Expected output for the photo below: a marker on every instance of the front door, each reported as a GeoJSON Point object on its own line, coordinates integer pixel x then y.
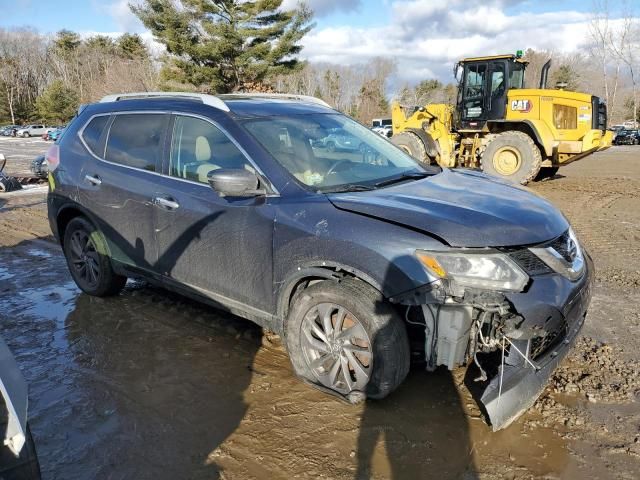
{"type": "Point", "coordinates": [497, 91]}
{"type": "Point", "coordinates": [219, 247]}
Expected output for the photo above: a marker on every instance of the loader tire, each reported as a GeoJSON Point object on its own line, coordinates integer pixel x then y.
{"type": "Point", "coordinates": [512, 156]}
{"type": "Point", "coordinates": [413, 145]}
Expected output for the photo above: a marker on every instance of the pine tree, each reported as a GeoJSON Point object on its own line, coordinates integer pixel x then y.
{"type": "Point", "coordinates": [223, 45]}
{"type": "Point", "coordinates": [57, 103]}
{"type": "Point", "coordinates": [131, 46]}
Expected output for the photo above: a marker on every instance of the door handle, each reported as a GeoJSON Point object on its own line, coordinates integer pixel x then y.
{"type": "Point", "coordinates": [93, 180]}
{"type": "Point", "coordinates": [166, 203]}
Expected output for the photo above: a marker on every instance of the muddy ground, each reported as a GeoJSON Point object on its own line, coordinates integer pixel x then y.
{"type": "Point", "coordinates": [150, 385]}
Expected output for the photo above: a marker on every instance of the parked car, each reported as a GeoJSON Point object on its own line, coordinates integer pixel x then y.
{"type": "Point", "coordinates": [32, 131]}
{"type": "Point", "coordinates": [8, 130]}
{"type": "Point", "coordinates": [627, 137]}
{"type": "Point", "coordinates": [39, 166]}
{"type": "Point", "coordinates": [360, 264]}
{"type": "Point", "coordinates": [18, 457]}
{"type": "Point", "coordinates": [384, 131]}
{"type": "Point", "coordinates": [56, 133]}
{"type": "Point", "coordinates": [339, 139]}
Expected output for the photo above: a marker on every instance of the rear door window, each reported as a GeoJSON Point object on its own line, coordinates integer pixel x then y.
{"type": "Point", "coordinates": [92, 135]}
{"type": "Point", "coordinates": [136, 140]}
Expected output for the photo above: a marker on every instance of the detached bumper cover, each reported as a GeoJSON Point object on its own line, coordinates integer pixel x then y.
{"type": "Point", "coordinates": [14, 393]}
{"type": "Point", "coordinates": [522, 385]}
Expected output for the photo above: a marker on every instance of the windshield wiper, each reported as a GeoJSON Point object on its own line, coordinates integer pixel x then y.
{"type": "Point", "coordinates": [349, 188]}
{"type": "Point", "coordinates": [403, 178]}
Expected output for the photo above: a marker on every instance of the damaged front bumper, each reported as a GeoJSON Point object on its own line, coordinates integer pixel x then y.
{"type": "Point", "coordinates": [516, 387]}
{"type": "Point", "coordinates": [520, 338]}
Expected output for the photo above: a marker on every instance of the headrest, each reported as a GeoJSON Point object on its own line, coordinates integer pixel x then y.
{"type": "Point", "coordinates": [203, 149]}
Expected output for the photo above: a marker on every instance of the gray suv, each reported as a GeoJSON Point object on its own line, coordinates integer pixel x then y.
{"type": "Point", "coordinates": [363, 261]}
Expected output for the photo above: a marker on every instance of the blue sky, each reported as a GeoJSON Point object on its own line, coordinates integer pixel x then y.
{"type": "Point", "coordinates": [49, 16]}
{"type": "Point", "coordinates": [424, 37]}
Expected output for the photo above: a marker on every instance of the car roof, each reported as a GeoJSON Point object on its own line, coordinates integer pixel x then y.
{"type": "Point", "coordinates": [243, 105]}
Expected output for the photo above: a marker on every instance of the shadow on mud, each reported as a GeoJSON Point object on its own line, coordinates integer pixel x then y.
{"type": "Point", "coordinates": [422, 426]}
{"type": "Point", "coordinates": [423, 430]}
{"type": "Point", "coordinates": [169, 384]}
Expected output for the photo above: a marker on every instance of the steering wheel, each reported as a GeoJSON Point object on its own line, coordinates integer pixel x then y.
{"type": "Point", "coordinates": [334, 166]}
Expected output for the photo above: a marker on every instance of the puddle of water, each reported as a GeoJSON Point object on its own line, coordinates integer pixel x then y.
{"type": "Point", "coordinates": [39, 252]}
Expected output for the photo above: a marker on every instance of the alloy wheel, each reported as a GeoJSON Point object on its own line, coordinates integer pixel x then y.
{"type": "Point", "coordinates": [85, 259]}
{"type": "Point", "coordinates": [337, 348]}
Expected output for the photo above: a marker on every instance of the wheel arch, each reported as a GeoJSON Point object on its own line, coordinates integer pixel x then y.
{"type": "Point", "coordinates": [318, 271]}
{"type": "Point", "coordinates": [535, 129]}
{"type": "Point", "coordinates": [68, 212]}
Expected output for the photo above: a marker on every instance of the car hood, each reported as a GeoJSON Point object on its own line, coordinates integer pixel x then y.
{"type": "Point", "coordinates": [463, 208]}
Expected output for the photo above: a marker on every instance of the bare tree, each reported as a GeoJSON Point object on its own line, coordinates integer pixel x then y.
{"type": "Point", "coordinates": [624, 44]}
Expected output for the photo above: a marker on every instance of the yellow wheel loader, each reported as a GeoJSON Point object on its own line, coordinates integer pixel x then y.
{"type": "Point", "coordinates": [497, 125]}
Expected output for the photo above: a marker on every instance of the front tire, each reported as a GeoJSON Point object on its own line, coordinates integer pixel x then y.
{"type": "Point", "coordinates": [346, 338]}
{"type": "Point", "coordinates": [90, 266]}
{"type": "Point", "coordinates": [513, 156]}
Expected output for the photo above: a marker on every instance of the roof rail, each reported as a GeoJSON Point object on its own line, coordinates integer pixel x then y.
{"type": "Point", "coordinates": [305, 98]}
{"type": "Point", "coordinates": [203, 97]}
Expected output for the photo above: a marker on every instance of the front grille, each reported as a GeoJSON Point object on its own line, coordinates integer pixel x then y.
{"type": "Point", "coordinates": [541, 345]}
{"type": "Point", "coordinates": [599, 112]}
{"type": "Point", "coordinates": [561, 245]}
{"type": "Point", "coordinates": [529, 262]}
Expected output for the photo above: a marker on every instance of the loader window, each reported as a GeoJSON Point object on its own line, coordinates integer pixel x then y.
{"type": "Point", "coordinates": [474, 90]}
{"type": "Point", "coordinates": [497, 80]}
{"type": "Point", "coordinates": [516, 76]}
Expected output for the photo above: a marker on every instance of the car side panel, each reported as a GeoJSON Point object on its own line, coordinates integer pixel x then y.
{"type": "Point", "coordinates": [310, 232]}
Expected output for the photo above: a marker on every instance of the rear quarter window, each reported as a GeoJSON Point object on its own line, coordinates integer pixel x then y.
{"type": "Point", "coordinates": [136, 140]}
{"type": "Point", "coordinates": [92, 134]}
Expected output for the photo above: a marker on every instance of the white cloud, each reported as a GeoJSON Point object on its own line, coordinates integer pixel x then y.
{"type": "Point", "coordinates": [121, 13]}
{"type": "Point", "coordinates": [324, 7]}
{"type": "Point", "coordinates": [427, 37]}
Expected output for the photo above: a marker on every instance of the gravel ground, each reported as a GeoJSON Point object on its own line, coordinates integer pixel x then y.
{"type": "Point", "coordinates": [150, 385]}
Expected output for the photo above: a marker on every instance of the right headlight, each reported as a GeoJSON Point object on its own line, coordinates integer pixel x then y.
{"type": "Point", "coordinates": [483, 270]}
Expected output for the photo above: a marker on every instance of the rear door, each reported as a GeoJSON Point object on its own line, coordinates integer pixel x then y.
{"type": "Point", "coordinates": [220, 247]}
{"type": "Point", "coordinates": [119, 184]}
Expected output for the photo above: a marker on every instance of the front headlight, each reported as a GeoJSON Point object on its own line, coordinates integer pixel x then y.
{"type": "Point", "coordinates": [491, 271]}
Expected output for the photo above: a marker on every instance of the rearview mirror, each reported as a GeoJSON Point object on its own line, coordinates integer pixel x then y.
{"type": "Point", "coordinates": [232, 182]}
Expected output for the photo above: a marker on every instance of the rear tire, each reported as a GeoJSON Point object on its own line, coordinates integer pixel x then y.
{"type": "Point", "coordinates": [413, 145]}
{"type": "Point", "coordinates": [364, 346]}
{"type": "Point", "coordinates": [512, 156]}
{"type": "Point", "coordinates": [90, 266]}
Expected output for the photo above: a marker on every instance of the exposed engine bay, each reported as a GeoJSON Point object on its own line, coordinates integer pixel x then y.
{"type": "Point", "coordinates": [483, 328]}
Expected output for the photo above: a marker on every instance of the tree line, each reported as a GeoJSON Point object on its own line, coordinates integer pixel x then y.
{"type": "Point", "coordinates": [213, 46]}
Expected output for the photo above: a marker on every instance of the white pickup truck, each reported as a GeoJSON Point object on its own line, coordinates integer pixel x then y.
{"type": "Point", "coordinates": [36, 130]}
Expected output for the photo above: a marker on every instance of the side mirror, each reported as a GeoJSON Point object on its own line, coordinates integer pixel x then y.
{"type": "Point", "coordinates": [235, 182]}
{"type": "Point", "coordinates": [2, 157]}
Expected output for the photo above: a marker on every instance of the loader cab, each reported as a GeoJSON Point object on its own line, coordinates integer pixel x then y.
{"type": "Point", "coordinates": [483, 86]}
